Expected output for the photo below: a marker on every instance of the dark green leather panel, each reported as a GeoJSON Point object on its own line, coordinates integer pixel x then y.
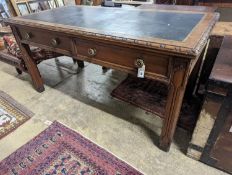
{"type": "Point", "coordinates": [139, 23]}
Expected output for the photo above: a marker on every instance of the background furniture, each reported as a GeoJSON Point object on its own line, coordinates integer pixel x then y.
{"type": "Point", "coordinates": [88, 2]}
{"type": "Point", "coordinates": [208, 115]}
{"type": "Point", "coordinates": [216, 37]}
{"type": "Point", "coordinates": [214, 146]}
{"type": "Point", "coordinates": [218, 149]}
{"type": "Point", "coordinates": [224, 7]}
{"type": "Point", "coordinates": [23, 7]}
{"type": "Point", "coordinates": [217, 3]}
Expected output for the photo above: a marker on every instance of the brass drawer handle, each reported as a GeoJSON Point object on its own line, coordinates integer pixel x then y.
{"type": "Point", "coordinates": [55, 42]}
{"type": "Point", "coordinates": [139, 63]}
{"type": "Point", "coordinates": [92, 51]}
{"type": "Point", "coordinates": [28, 35]}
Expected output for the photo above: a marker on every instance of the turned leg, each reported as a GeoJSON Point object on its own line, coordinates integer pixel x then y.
{"type": "Point", "coordinates": [174, 102]}
{"type": "Point", "coordinates": [18, 71]}
{"type": "Point", "coordinates": [29, 62]}
{"type": "Point", "coordinates": [104, 69]}
{"type": "Point", "coordinates": [80, 64]}
{"type": "Point", "coordinates": [74, 61]}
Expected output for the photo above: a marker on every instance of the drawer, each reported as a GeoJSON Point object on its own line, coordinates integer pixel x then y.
{"type": "Point", "coordinates": [46, 39]}
{"type": "Point", "coordinates": [122, 58]}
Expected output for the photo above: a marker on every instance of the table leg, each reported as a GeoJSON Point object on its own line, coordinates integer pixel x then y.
{"type": "Point", "coordinates": [81, 64]}
{"type": "Point", "coordinates": [174, 102]}
{"type": "Point", "coordinates": [30, 63]}
{"type": "Point", "coordinates": [18, 71]}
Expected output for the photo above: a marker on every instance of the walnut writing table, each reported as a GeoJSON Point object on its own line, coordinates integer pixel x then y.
{"type": "Point", "coordinates": [169, 43]}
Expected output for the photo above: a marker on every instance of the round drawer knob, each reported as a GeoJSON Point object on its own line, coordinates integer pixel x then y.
{"type": "Point", "coordinates": [27, 35]}
{"type": "Point", "coordinates": [92, 52]}
{"type": "Point", "coordinates": [55, 42]}
{"type": "Point", "coordinates": [139, 63]}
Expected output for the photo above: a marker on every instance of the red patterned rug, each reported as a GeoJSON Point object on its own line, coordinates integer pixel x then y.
{"type": "Point", "coordinates": [151, 96]}
{"type": "Point", "coordinates": [12, 114]}
{"type": "Point", "coordinates": [60, 150]}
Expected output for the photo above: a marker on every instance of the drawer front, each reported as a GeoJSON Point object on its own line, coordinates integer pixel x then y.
{"type": "Point", "coordinates": [46, 39]}
{"type": "Point", "coordinates": [157, 66]}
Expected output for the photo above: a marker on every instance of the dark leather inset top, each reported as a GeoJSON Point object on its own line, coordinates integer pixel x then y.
{"type": "Point", "coordinates": [140, 23]}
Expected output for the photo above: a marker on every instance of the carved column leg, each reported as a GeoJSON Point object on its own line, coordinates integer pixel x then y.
{"type": "Point", "coordinates": [30, 64]}
{"type": "Point", "coordinates": [174, 102]}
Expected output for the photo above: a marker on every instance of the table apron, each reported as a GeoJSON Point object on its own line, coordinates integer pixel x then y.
{"type": "Point", "coordinates": [157, 66]}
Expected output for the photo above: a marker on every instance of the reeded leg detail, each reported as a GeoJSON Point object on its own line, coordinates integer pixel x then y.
{"type": "Point", "coordinates": [174, 102]}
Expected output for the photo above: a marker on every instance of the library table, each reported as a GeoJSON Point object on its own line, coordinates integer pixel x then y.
{"type": "Point", "coordinates": [167, 44]}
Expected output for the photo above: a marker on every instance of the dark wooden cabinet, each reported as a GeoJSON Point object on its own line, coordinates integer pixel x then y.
{"type": "Point", "coordinates": [221, 151]}
{"type": "Point", "coordinates": [218, 149]}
